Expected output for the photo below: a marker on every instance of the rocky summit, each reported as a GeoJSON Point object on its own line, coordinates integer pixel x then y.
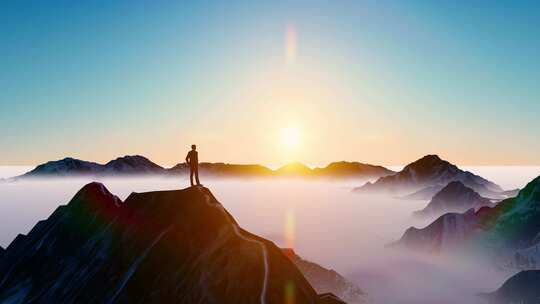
{"type": "Point", "coordinates": [426, 176]}
{"type": "Point", "coordinates": [177, 246]}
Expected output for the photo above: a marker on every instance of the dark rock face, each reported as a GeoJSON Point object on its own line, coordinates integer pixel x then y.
{"type": "Point", "coordinates": [132, 165]}
{"type": "Point", "coordinates": [455, 197]}
{"type": "Point", "coordinates": [521, 288]}
{"type": "Point", "coordinates": [447, 233]}
{"type": "Point", "coordinates": [512, 224]}
{"type": "Point", "coordinates": [327, 281]}
{"type": "Point", "coordinates": [430, 171]}
{"type": "Point", "coordinates": [157, 247]}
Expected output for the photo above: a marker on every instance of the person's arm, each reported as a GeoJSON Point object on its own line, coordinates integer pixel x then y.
{"type": "Point", "coordinates": [187, 159]}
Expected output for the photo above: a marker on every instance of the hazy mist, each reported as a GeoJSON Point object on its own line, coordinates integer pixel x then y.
{"type": "Point", "coordinates": [323, 220]}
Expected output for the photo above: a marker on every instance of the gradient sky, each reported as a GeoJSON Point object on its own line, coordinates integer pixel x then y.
{"type": "Point", "coordinates": [382, 82]}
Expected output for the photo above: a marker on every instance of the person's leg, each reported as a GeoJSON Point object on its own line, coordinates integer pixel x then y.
{"type": "Point", "coordinates": [191, 176]}
{"type": "Point", "coordinates": [197, 176]}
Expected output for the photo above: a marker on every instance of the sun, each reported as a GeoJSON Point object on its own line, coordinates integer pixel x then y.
{"type": "Point", "coordinates": [290, 137]}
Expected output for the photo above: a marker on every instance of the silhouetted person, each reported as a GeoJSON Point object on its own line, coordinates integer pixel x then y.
{"type": "Point", "coordinates": [192, 159]}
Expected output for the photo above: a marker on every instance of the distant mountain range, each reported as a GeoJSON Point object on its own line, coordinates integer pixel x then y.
{"type": "Point", "coordinates": [425, 177]}
{"type": "Point", "coordinates": [507, 234]}
{"type": "Point", "coordinates": [177, 246]}
{"type": "Point", "coordinates": [140, 165]}
{"type": "Point", "coordinates": [455, 197]}
{"type": "Point", "coordinates": [68, 166]}
{"type": "Point", "coordinates": [510, 228]}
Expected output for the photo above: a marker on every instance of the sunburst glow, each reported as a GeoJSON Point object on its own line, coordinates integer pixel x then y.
{"type": "Point", "coordinates": [290, 137]}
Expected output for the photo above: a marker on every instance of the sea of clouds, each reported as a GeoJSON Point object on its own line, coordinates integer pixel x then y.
{"type": "Point", "coordinates": [324, 221]}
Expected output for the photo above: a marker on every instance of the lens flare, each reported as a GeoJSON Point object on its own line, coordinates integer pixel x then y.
{"type": "Point", "coordinates": [290, 44]}
{"type": "Point", "coordinates": [290, 297]}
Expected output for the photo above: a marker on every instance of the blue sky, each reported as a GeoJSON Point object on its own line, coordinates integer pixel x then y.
{"type": "Point", "coordinates": [375, 81]}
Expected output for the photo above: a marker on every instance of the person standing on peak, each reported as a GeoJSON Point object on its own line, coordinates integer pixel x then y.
{"type": "Point", "coordinates": [192, 159]}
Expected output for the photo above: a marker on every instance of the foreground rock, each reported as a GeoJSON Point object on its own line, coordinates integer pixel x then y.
{"type": "Point", "coordinates": [327, 280]}
{"type": "Point", "coordinates": [157, 247]}
{"type": "Point", "coordinates": [426, 175]}
{"type": "Point", "coordinates": [455, 197]}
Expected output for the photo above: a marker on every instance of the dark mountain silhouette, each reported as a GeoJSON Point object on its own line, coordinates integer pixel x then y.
{"type": "Point", "coordinates": [521, 288]}
{"type": "Point", "coordinates": [157, 247]}
{"type": "Point", "coordinates": [428, 172]}
{"type": "Point", "coordinates": [513, 224]}
{"type": "Point", "coordinates": [351, 170]}
{"type": "Point", "coordinates": [66, 166]}
{"type": "Point", "coordinates": [327, 280]}
{"type": "Point", "coordinates": [139, 165]}
{"type": "Point", "coordinates": [294, 169]}
{"type": "Point", "coordinates": [423, 194]}
{"type": "Point", "coordinates": [447, 233]}
{"type": "Point", "coordinates": [455, 197]}
{"type": "Point", "coordinates": [133, 165]}
{"type": "Point", "coordinates": [127, 165]}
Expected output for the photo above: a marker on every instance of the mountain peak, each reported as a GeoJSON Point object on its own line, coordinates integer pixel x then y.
{"type": "Point", "coordinates": [431, 157]}
{"type": "Point", "coordinates": [132, 164]}
{"type": "Point", "coordinates": [432, 173]}
{"type": "Point", "coordinates": [454, 187]}
{"type": "Point", "coordinates": [94, 198]}
{"type": "Point", "coordinates": [135, 157]}
{"type": "Point", "coordinates": [294, 168]}
{"type": "Point", "coordinates": [181, 245]}
{"type": "Point", "coordinates": [454, 197]}
{"type": "Point", "coordinates": [428, 162]}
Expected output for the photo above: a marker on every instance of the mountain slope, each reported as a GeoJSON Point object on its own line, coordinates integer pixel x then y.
{"type": "Point", "coordinates": [66, 166]}
{"type": "Point", "coordinates": [351, 170]}
{"type": "Point", "coordinates": [327, 280]}
{"type": "Point", "coordinates": [133, 165]}
{"type": "Point", "coordinates": [157, 247]}
{"type": "Point", "coordinates": [455, 197]}
{"type": "Point", "coordinates": [521, 288]}
{"type": "Point", "coordinates": [423, 194]}
{"type": "Point", "coordinates": [430, 171]}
